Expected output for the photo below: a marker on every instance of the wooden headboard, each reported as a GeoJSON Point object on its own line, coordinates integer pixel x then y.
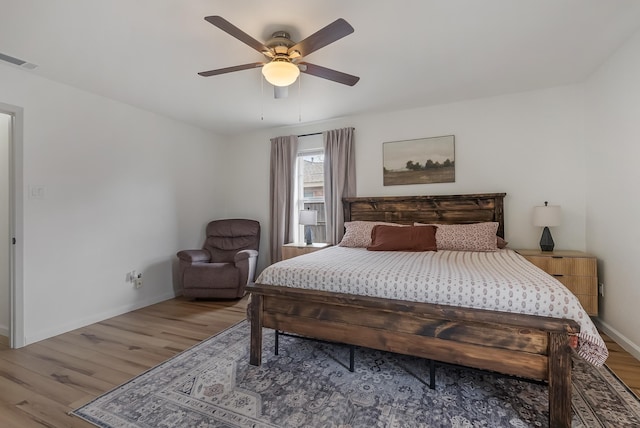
{"type": "Point", "coordinates": [448, 209]}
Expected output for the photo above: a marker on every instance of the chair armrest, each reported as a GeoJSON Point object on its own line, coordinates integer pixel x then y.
{"type": "Point", "coordinates": [244, 254]}
{"type": "Point", "coordinates": [246, 261]}
{"type": "Point", "coordinates": [194, 256]}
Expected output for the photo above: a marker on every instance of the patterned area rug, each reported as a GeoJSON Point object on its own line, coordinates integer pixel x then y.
{"type": "Point", "coordinates": [309, 385]}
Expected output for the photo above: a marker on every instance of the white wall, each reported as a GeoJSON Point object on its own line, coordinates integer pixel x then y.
{"type": "Point", "coordinates": [4, 224]}
{"type": "Point", "coordinates": [124, 189]}
{"type": "Point", "coordinates": [529, 145]}
{"type": "Point", "coordinates": [613, 203]}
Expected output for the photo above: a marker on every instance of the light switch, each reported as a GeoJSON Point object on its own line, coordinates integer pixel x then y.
{"type": "Point", "coordinates": [36, 191]}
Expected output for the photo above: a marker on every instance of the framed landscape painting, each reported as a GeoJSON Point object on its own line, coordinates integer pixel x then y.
{"type": "Point", "coordinates": [425, 160]}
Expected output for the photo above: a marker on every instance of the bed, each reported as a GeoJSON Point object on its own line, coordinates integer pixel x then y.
{"type": "Point", "coordinates": [530, 346]}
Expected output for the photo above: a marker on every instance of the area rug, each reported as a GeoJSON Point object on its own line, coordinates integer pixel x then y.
{"type": "Point", "coordinates": [309, 385]}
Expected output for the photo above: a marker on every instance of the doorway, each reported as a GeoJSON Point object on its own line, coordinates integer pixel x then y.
{"type": "Point", "coordinates": [11, 227]}
{"type": "Point", "coordinates": [5, 248]}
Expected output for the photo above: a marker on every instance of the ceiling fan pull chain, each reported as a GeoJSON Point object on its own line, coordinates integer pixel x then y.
{"type": "Point", "coordinates": [300, 98]}
{"type": "Point", "coordinates": [261, 97]}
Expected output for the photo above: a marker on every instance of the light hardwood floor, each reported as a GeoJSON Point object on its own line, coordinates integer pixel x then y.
{"type": "Point", "coordinates": [41, 383]}
{"type": "Point", "coordinates": [623, 364]}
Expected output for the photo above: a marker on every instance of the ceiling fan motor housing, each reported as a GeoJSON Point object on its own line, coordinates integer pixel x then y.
{"type": "Point", "coordinates": [280, 42]}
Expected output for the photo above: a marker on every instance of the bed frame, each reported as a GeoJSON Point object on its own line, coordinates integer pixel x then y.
{"type": "Point", "coordinates": [527, 346]}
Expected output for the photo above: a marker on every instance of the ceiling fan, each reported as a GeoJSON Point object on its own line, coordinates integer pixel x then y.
{"type": "Point", "coordinates": [284, 56]}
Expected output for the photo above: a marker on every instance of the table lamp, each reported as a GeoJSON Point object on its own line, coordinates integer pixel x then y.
{"type": "Point", "coordinates": [546, 216]}
{"type": "Point", "coordinates": [308, 218]}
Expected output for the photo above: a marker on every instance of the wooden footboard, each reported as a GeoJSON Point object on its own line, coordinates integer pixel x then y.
{"type": "Point", "coordinates": [521, 345]}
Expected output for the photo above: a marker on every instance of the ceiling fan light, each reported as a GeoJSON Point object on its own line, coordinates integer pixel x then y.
{"type": "Point", "coordinates": [280, 72]}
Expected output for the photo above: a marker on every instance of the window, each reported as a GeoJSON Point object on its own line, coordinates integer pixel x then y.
{"type": "Point", "coordinates": [310, 191]}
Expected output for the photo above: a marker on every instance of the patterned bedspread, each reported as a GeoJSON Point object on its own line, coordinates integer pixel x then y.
{"type": "Point", "coordinates": [501, 281]}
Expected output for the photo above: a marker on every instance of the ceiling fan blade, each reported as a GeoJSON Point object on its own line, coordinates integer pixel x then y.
{"type": "Point", "coordinates": [234, 31]}
{"type": "Point", "coordinates": [329, 74]}
{"type": "Point", "coordinates": [321, 38]}
{"type": "Point", "coordinates": [230, 69]}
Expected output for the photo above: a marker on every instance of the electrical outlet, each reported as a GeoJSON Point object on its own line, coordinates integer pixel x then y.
{"type": "Point", "coordinates": [138, 281]}
{"type": "Point", "coordinates": [601, 289]}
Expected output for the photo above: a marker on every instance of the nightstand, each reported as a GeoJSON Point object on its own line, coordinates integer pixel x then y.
{"type": "Point", "coordinates": [578, 272]}
{"type": "Point", "coordinates": [298, 249]}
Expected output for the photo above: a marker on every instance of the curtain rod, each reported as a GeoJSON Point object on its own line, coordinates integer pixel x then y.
{"type": "Point", "coordinates": [309, 135]}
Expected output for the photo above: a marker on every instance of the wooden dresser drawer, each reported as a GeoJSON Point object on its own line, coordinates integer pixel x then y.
{"type": "Point", "coordinates": [294, 250]}
{"type": "Point", "coordinates": [579, 284]}
{"type": "Point", "coordinates": [581, 266]}
{"type": "Point", "coordinates": [574, 269]}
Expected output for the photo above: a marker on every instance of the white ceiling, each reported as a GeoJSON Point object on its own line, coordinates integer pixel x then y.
{"type": "Point", "coordinates": [408, 53]}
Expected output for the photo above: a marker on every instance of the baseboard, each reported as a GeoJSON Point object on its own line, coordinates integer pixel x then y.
{"type": "Point", "coordinates": [45, 334]}
{"type": "Point", "coordinates": [4, 330]}
{"type": "Point", "coordinates": [619, 338]}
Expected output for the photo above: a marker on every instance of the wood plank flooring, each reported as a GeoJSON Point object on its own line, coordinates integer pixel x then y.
{"type": "Point", "coordinates": [41, 383]}
{"type": "Point", "coordinates": [623, 364]}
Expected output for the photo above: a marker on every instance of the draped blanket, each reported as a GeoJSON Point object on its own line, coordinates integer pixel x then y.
{"type": "Point", "coordinates": [499, 281]}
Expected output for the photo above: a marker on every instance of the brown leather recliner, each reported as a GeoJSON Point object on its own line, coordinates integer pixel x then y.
{"type": "Point", "coordinates": [227, 262]}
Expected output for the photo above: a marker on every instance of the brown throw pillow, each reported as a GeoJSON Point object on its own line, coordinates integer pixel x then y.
{"type": "Point", "coordinates": [410, 238]}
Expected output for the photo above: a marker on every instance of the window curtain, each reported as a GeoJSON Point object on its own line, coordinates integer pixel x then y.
{"type": "Point", "coordinates": [284, 152]}
{"type": "Point", "coordinates": [339, 178]}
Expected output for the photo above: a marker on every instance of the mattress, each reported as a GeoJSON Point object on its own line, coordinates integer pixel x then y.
{"type": "Point", "coordinates": [500, 281]}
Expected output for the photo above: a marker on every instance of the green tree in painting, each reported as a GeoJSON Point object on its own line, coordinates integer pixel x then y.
{"type": "Point", "coordinates": [411, 166]}
{"type": "Point", "coordinates": [429, 164]}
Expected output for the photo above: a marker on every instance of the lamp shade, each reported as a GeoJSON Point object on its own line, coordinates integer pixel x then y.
{"type": "Point", "coordinates": [280, 72]}
{"type": "Point", "coordinates": [547, 215]}
{"type": "Point", "coordinates": [308, 217]}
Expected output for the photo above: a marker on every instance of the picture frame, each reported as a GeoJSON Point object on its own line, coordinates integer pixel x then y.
{"type": "Point", "coordinates": [419, 161]}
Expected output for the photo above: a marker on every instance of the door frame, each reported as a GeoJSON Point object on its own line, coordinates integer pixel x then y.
{"type": "Point", "coordinates": [16, 225]}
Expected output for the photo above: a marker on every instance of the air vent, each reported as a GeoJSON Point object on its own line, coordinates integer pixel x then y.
{"type": "Point", "coordinates": [16, 61]}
